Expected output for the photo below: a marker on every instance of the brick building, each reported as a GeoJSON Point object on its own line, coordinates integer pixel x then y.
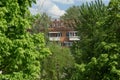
{"type": "Point", "coordinates": [58, 32]}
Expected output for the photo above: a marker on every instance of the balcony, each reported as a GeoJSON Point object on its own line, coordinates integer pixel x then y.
{"type": "Point", "coordinates": [74, 38]}
{"type": "Point", "coordinates": [54, 36]}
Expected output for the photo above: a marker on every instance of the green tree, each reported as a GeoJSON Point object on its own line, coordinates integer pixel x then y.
{"type": "Point", "coordinates": [71, 17]}
{"type": "Point", "coordinates": [71, 13]}
{"type": "Point", "coordinates": [55, 66]}
{"type": "Point", "coordinates": [99, 48]}
{"type": "Point", "coordinates": [88, 30]}
{"type": "Point", "coordinates": [40, 23]}
{"type": "Point", "coordinates": [20, 52]}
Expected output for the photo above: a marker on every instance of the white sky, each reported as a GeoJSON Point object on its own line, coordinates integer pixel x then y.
{"type": "Point", "coordinates": [56, 8]}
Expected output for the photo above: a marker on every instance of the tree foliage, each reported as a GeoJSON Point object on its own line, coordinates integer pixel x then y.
{"type": "Point", "coordinates": [98, 52]}
{"type": "Point", "coordinates": [20, 52]}
{"type": "Point", "coordinates": [71, 17]}
{"type": "Point", "coordinates": [71, 13]}
{"type": "Point", "coordinates": [55, 66]}
{"type": "Point", "coordinates": [40, 23]}
{"type": "Point", "coordinates": [88, 30]}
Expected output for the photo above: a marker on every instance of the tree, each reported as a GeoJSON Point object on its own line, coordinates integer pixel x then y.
{"type": "Point", "coordinates": [55, 66]}
{"type": "Point", "coordinates": [71, 17]}
{"type": "Point", "coordinates": [20, 52]}
{"type": "Point", "coordinates": [100, 46]}
{"type": "Point", "coordinates": [88, 28]}
{"type": "Point", "coordinates": [40, 23]}
{"type": "Point", "coordinates": [71, 13]}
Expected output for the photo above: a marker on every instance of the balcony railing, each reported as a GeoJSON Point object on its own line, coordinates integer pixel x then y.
{"type": "Point", "coordinates": [74, 38]}
{"type": "Point", "coordinates": [54, 38]}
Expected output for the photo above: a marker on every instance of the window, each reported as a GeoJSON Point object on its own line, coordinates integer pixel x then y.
{"type": "Point", "coordinates": [68, 44]}
{"type": "Point", "coordinates": [55, 34]}
{"type": "Point", "coordinates": [67, 34]}
{"type": "Point", "coordinates": [73, 33]}
{"type": "Point", "coordinates": [76, 34]}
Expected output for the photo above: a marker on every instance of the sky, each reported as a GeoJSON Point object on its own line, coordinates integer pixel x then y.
{"type": "Point", "coordinates": [56, 8]}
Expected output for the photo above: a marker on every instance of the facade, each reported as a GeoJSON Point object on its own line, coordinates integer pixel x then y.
{"type": "Point", "coordinates": [58, 32]}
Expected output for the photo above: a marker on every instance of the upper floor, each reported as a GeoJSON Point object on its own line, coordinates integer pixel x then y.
{"type": "Point", "coordinates": [63, 36]}
{"type": "Point", "coordinates": [59, 32]}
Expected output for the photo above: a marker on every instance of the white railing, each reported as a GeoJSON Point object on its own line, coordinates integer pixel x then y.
{"type": "Point", "coordinates": [54, 38]}
{"type": "Point", "coordinates": [74, 38]}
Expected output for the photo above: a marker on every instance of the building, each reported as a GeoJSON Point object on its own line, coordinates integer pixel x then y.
{"type": "Point", "coordinates": [58, 32]}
